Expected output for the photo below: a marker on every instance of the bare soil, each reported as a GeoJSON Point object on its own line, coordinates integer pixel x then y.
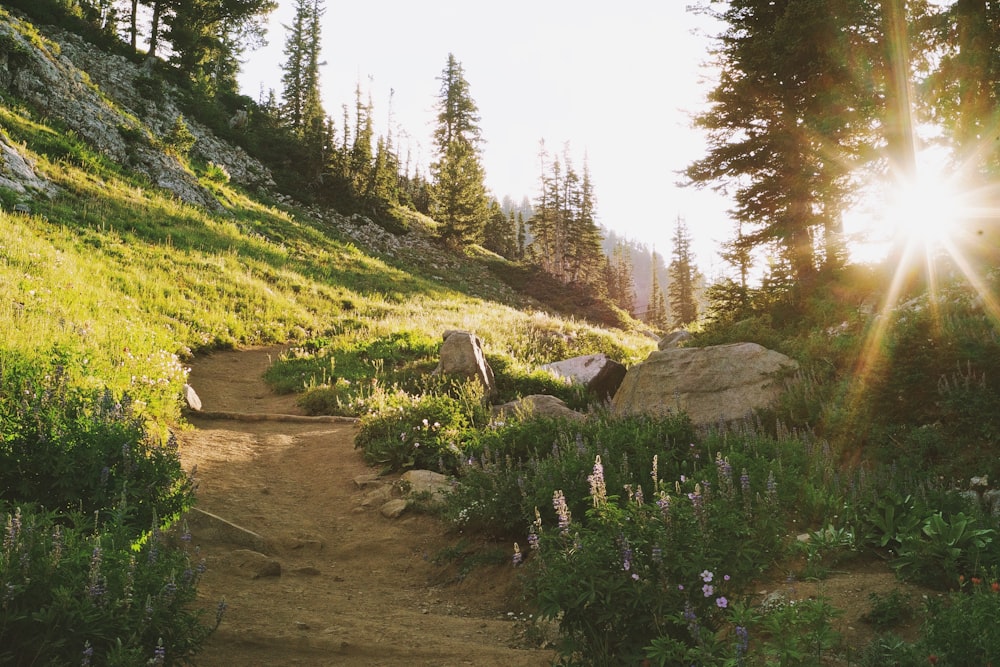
{"type": "Point", "coordinates": [356, 588]}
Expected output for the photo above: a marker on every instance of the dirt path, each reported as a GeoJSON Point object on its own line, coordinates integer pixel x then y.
{"type": "Point", "coordinates": [354, 588]}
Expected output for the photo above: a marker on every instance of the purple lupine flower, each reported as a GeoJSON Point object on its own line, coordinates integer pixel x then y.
{"type": "Point", "coordinates": [88, 653]}
{"type": "Point", "coordinates": [95, 585]}
{"type": "Point", "coordinates": [598, 490]}
{"type": "Point", "coordinates": [657, 554]}
{"type": "Point", "coordinates": [57, 545]}
{"type": "Point", "coordinates": [562, 511]}
{"type": "Point", "coordinates": [692, 620]}
{"type": "Point", "coordinates": [772, 487]}
{"type": "Point", "coordinates": [698, 504]}
{"type": "Point", "coordinates": [745, 482]}
{"type": "Point", "coordinates": [517, 557]}
{"type": "Point", "coordinates": [725, 473]}
{"type": "Point", "coordinates": [220, 611]}
{"type": "Point", "coordinates": [742, 643]}
{"type": "Point", "coordinates": [663, 502]}
{"type": "Point", "coordinates": [159, 654]}
{"type": "Point", "coordinates": [13, 530]}
{"type": "Point", "coordinates": [639, 498]}
{"type": "Point", "coordinates": [626, 557]}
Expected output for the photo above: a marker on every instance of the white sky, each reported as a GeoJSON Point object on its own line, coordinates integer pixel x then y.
{"type": "Point", "coordinates": [616, 80]}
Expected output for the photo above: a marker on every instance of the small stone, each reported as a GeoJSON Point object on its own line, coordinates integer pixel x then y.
{"type": "Point", "coordinates": [394, 508]}
{"type": "Point", "coordinates": [191, 398]}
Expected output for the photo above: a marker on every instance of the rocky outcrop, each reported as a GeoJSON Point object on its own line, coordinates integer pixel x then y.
{"type": "Point", "coordinates": [17, 173]}
{"type": "Point", "coordinates": [600, 374]}
{"type": "Point", "coordinates": [711, 384]}
{"type": "Point", "coordinates": [106, 101]}
{"type": "Point", "coordinates": [462, 356]}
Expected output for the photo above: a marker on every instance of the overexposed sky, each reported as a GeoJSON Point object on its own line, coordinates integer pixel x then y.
{"type": "Point", "coordinates": [618, 81]}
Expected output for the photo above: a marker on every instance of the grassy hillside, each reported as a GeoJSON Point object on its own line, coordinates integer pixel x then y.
{"type": "Point", "coordinates": [124, 283]}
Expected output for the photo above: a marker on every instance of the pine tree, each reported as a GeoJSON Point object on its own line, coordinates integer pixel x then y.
{"type": "Point", "coordinates": [791, 117]}
{"type": "Point", "coordinates": [657, 315]}
{"type": "Point", "coordinates": [499, 234]}
{"type": "Point", "coordinates": [683, 274]}
{"type": "Point", "coordinates": [460, 202]}
{"type": "Point", "coordinates": [300, 96]}
{"type": "Point", "coordinates": [620, 279]}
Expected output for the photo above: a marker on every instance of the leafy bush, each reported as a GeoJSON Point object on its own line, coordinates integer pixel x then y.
{"type": "Point", "coordinates": [70, 595]}
{"type": "Point", "coordinates": [514, 467]}
{"type": "Point", "coordinates": [90, 453]}
{"type": "Point", "coordinates": [424, 432]}
{"type": "Point", "coordinates": [179, 139]}
{"type": "Point", "coordinates": [962, 628]}
{"type": "Point", "coordinates": [639, 569]}
{"type": "Point", "coordinates": [86, 577]}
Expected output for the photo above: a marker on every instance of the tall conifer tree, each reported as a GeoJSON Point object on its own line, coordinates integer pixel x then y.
{"type": "Point", "coordinates": [460, 201]}
{"type": "Point", "coordinates": [683, 274]}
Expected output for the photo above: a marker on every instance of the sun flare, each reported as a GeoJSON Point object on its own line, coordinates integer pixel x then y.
{"type": "Point", "coordinates": [926, 211]}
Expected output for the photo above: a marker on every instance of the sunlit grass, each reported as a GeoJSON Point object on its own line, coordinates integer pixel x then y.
{"type": "Point", "coordinates": [125, 283]}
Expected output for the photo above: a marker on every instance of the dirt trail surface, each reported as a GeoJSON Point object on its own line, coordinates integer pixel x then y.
{"type": "Point", "coordinates": [354, 588]}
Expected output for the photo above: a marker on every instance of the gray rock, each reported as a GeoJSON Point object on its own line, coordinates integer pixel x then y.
{"type": "Point", "coordinates": [673, 339]}
{"type": "Point", "coordinates": [462, 355]}
{"type": "Point", "coordinates": [599, 374]}
{"type": "Point", "coordinates": [537, 405]}
{"type": "Point", "coordinates": [432, 485]}
{"type": "Point", "coordinates": [394, 508]}
{"type": "Point", "coordinates": [255, 565]}
{"type": "Point", "coordinates": [376, 496]}
{"type": "Point", "coordinates": [191, 398]}
{"type": "Point", "coordinates": [711, 384]}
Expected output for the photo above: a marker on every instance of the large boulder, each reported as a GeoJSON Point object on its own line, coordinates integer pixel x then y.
{"type": "Point", "coordinates": [711, 384]}
{"type": "Point", "coordinates": [462, 355]}
{"type": "Point", "coordinates": [537, 405]}
{"type": "Point", "coordinates": [599, 374]}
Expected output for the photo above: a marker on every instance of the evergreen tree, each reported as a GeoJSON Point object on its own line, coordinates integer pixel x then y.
{"type": "Point", "coordinates": [585, 256]}
{"type": "Point", "coordinates": [459, 203]}
{"type": "Point", "coordinates": [300, 96]}
{"type": "Point", "coordinates": [566, 240]}
{"type": "Point", "coordinates": [209, 36]}
{"type": "Point", "coordinates": [657, 315]}
{"type": "Point", "coordinates": [791, 117]}
{"type": "Point", "coordinates": [620, 279]}
{"type": "Point", "coordinates": [500, 234]}
{"type": "Point", "coordinates": [361, 151]}
{"type": "Point", "coordinates": [683, 274]}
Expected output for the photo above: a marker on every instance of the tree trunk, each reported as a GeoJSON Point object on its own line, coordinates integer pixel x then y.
{"type": "Point", "coordinates": [154, 31]}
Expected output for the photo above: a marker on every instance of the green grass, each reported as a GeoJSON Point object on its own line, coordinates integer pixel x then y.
{"type": "Point", "coordinates": [125, 284]}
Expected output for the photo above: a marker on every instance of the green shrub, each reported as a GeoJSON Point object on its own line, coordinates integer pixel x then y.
{"type": "Point", "coordinates": [650, 571]}
{"type": "Point", "coordinates": [179, 139]}
{"type": "Point", "coordinates": [73, 451]}
{"type": "Point", "coordinates": [962, 628]}
{"type": "Point", "coordinates": [70, 595]}
{"type": "Point", "coordinates": [422, 432]}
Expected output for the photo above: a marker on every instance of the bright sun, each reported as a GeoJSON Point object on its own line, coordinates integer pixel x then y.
{"type": "Point", "coordinates": [926, 211]}
{"type": "Point", "coordinates": [922, 214]}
